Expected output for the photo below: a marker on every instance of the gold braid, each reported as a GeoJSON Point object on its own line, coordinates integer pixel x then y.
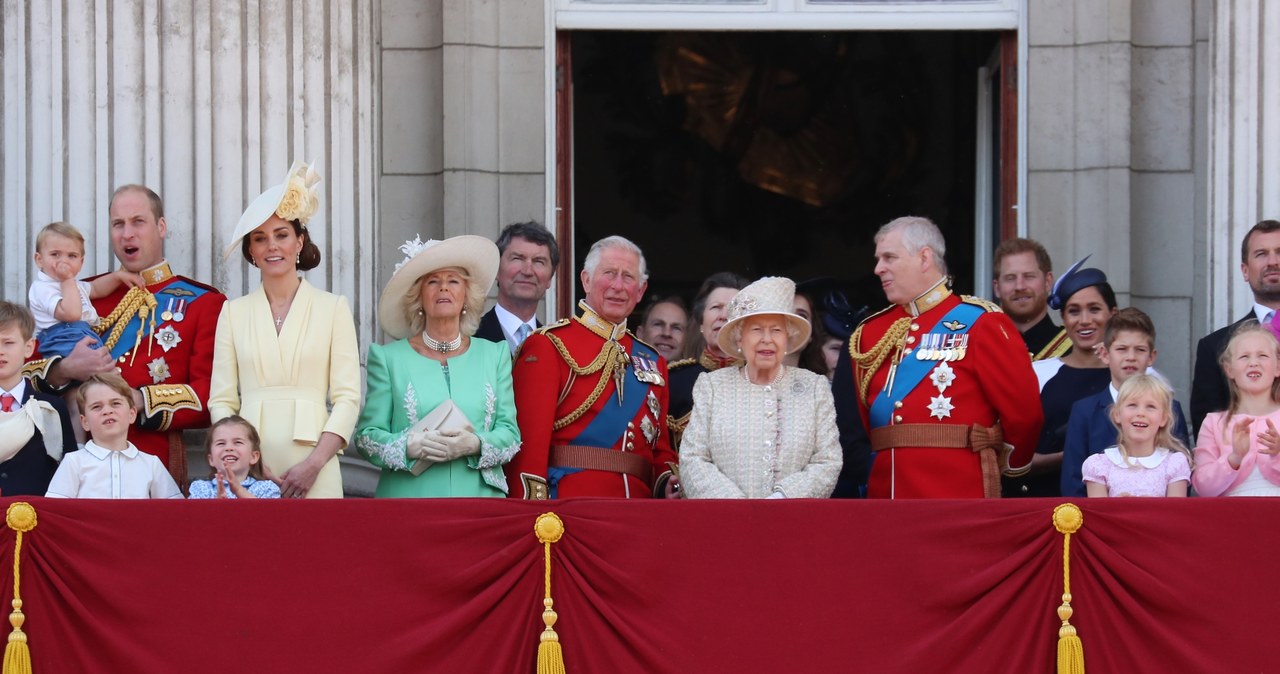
{"type": "Point", "coordinates": [137, 302]}
{"type": "Point", "coordinates": [612, 356]}
{"type": "Point", "coordinates": [869, 362]}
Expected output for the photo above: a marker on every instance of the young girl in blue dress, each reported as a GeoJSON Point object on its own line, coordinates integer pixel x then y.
{"type": "Point", "coordinates": [235, 454]}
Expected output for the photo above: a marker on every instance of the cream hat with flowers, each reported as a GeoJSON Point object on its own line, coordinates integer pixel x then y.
{"type": "Point", "coordinates": [293, 199]}
{"type": "Point", "coordinates": [476, 254]}
{"type": "Point", "coordinates": [769, 296]}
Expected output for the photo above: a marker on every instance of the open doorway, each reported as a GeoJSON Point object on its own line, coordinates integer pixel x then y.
{"type": "Point", "coordinates": [772, 152]}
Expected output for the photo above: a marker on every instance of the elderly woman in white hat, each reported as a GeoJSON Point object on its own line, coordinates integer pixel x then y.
{"type": "Point", "coordinates": [440, 416]}
{"type": "Point", "coordinates": [762, 429]}
{"type": "Point", "coordinates": [285, 356]}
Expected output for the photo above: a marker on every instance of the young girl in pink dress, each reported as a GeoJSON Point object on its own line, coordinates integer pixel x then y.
{"type": "Point", "coordinates": [1147, 460]}
{"type": "Point", "coordinates": [1236, 450]}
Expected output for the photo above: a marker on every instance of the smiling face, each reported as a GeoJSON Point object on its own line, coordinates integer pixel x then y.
{"type": "Point", "coordinates": [106, 414]}
{"type": "Point", "coordinates": [231, 447]}
{"type": "Point", "coordinates": [137, 236]}
{"type": "Point", "coordinates": [1021, 288]}
{"type": "Point", "coordinates": [14, 351]}
{"type": "Point", "coordinates": [664, 329]}
{"type": "Point", "coordinates": [1261, 267]}
{"type": "Point", "coordinates": [443, 295]}
{"type": "Point", "coordinates": [524, 272]}
{"type": "Point", "coordinates": [764, 341]}
{"type": "Point", "coordinates": [1252, 363]}
{"type": "Point", "coordinates": [715, 315]}
{"type": "Point", "coordinates": [274, 247]}
{"type": "Point", "coordinates": [614, 287]}
{"type": "Point", "coordinates": [1130, 353]}
{"type": "Point", "coordinates": [1083, 317]}
{"type": "Point", "coordinates": [1140, 418]}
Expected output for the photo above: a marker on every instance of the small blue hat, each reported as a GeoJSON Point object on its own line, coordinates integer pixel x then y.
{"type": "Point", "coordinates": [1073, 281]}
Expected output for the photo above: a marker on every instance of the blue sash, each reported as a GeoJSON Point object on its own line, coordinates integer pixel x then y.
{"type": "Point", "coordinates": [177, 290]}
{"type": "Point", "coordinates": [608, 425]}
{"type": "Point", "coordinates": [911, 371]}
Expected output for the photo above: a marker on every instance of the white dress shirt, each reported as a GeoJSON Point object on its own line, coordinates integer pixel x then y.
{"type": "Point", "coordinates": [97, 472]}
{"type": "Point", "coordinates": [511, 326]}
{"type": "Point", "coordinates": [17, 392]}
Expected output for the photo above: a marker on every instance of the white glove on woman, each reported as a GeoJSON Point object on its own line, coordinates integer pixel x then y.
{"type": "Point", "coordinates": [415, 446]}
{"type": "Point", "coordinates": [449, 445]}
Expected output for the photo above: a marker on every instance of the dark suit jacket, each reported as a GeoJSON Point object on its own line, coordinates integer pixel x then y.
{"type": "Point", "coordinates": [491, 329]}
{"type": "Point", "coordinates": [28, 472]}
{"type": "Point", "coordinates": [854, 441]}
{"type": "Point", "coordinates": [1089, 431]}
{"type": "Point", "coordinates": [1209, 392]}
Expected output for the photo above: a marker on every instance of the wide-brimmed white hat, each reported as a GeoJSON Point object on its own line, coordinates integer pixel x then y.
{"type": "Point", "coordinates": [476, 254]}
{"type": "Point", "coordinates": [293, 199]}
{"type": "Point", "coordinates": [769, 296]}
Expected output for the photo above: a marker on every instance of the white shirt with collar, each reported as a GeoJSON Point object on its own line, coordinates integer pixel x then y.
{"type": "Point", "coordinates": [1260, 312]}
{"type": "Point", "coordinates": [17, 392]}
{"type": "Point", "coordinates": [511, 325]}
{"type": "Point", "coordinates": [97, 472]}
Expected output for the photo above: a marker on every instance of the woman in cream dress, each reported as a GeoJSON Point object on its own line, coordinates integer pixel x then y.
{"type": "Point", "coordinates": [286, 357]}
{"type": "Point", "coordinates": [762, 429]}
{"type": "Point", "coordinates": [432, 306]}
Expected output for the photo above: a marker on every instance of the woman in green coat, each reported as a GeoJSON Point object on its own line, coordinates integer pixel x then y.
{"type": "Point", "coordinates": [434, 371]}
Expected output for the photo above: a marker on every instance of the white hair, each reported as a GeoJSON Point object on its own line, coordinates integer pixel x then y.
{"type": "Point", "coordinates": [598, 248]}
{"type": "Point", "coordinates": [918, 233]}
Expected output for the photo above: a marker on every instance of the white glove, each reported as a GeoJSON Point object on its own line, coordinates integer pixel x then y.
{"type": "Point", "coordinates": [415, 445]}
{"type": "Point", "coordinates": [445, 446]}
{"type": "Point", "coordinates": [776, 494]}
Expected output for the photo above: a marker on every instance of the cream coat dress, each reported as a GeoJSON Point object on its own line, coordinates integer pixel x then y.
{"type": "Point", "coordinates": [749, 440]}
{"type": "Point", "coordinates": [293, 386]}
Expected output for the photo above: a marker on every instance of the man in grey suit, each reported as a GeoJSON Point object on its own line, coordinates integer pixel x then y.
{"type": "Point", "coordinates": [529, 257]}
{"type": "Point", "coordinates": [1260, 266]}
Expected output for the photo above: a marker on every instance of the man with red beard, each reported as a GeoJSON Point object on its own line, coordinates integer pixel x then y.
{"type": "Point", "coordinates": [1260, 267]}
{"type": "Point", "coordinates": [943, 380]}
{"type": "Point", "coordinates": [159, 338]}
{"type": "Point", "coordinates": [1021, 280]}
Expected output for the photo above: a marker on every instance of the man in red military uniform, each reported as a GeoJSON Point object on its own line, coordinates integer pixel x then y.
{"type": "Point", "coordinates": [591, 399]}
{"type": "Point", "coordinates": [159, 338]}
{"type": "Point", "coordinates": [945, 383]}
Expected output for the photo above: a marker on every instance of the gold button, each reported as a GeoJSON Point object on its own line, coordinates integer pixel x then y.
{"type": "Point", "coordinates": [914, 327]}
{"type": "Point", "coordinates": [631, 424]}
{"type": "Point", "coordinates": [121, 359]}
{"type": "Point", "coordinates": [897, 419]}
{"type": "Point", "coordinates": [911, 340]}
{"type": "Point", "coordinates": [897, 404]}
{"type": "Point", "coordinates": [906, 351]}
{"type": "Point", "coordinates": [630, 446]}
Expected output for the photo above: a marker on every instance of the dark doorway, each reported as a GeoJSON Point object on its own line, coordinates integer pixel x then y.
{"type": "Point", "coordinates": [773, 153]}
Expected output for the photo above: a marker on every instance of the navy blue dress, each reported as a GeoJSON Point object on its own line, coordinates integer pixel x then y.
{"type": "Point", "coordinates": [1056, 398]}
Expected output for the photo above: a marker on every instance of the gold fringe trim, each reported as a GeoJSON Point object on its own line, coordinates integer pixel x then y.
{"type": "Point", "coordinates": [612, 358]}
{"type": "Point", "coordinates": [868, 362]}
{"type": "Point", "coordinates": [21, 517]}
{"type": "Point", "coordinates": [548, 528]}
{"type": "Point", "coordinates": [1068, 519]}
{"type": "Point", "coordinates": [137, 302]}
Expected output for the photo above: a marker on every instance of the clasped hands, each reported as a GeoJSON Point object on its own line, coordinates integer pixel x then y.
{"type": "Point", "coordinates": [441, 446]}
{"type": "Point", "coordinates": [1241, 440]}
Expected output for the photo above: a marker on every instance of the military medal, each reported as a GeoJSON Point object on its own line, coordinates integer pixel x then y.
{"type": "Point", "coordinates": [159, 370]}
{"type": "Point", "coordinates": [168, 338]}
{"type": "Point", "coordinates": [940, 407]}
{"type": "Point", "coordinates": [180, 313]}
{"type": "Point", "coordinates": [168, 311]}
{"type": "Point", "coordinates": [942, 376]}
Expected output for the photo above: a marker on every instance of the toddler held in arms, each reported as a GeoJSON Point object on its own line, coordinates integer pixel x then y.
{"type": "Point", "coordinates": [1147, 460]}
{"type": "Point", "coordinates": [110, 466]}
{"type": "Point", "coordinates": [1236, 450]}
{"type": "Point", "coordinates": [235, 453]}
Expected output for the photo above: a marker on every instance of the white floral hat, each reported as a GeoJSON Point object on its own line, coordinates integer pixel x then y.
{"type": "Point", "coordinates": [293, 199]}
{"type": "Point", "coordinates": [769, 296]}
{"type": "Point", "coordinates": [476, 254]}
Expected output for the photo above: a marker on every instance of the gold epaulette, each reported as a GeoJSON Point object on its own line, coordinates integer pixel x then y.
{"type": "Point", "coordinates": [683, 362]}
{"type": "Point", "coordinates": [867, 363]}
{"type": "Point", "coordinates": [978, 301]}
{"type": "Point", "coordinates": [677, 428]}
{"type": "Point", "coordinates": [165, 399]}
{"type": "Point", "coordinates": [552, 326]}
{"type": "Point", "coordinates": [37, 371]}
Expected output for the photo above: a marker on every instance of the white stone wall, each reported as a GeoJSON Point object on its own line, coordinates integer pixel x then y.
{"type": "Point", "coordinates": [1116, 155]}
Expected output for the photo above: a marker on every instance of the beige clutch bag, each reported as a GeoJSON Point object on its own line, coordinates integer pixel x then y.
{"type": "Point", "coordinates": [445, 417]}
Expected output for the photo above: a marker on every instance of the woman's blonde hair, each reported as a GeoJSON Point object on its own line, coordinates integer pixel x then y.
{"type": "Point", "coordinates": [472, 307]}
{"type": "Point", "coordinates": [1249, 327]}
{"type": "Point", "coordinates": [1145, 384]}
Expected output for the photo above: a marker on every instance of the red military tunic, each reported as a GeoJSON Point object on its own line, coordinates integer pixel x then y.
{"type": "Point", "coordinates": [170, 366]}
{"type": "Point", "coordinates": [989, 379]}
{"type": "Point", "coordinates": [561, 401]}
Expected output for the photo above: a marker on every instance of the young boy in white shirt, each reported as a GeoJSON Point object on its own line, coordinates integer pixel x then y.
{"type": "Point", "coordinates": [110, 466]}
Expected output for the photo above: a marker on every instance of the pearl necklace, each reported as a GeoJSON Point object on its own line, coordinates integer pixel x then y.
{"type": "Point", "coordinates": [782, 371]}
{"type": "Point", "coordinates": [443, 347]}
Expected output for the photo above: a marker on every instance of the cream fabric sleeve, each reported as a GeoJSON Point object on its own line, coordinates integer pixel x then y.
{"type": "Point", "coordinates": [699, 475]}
{"type": "Point", "coordinates": [224, 382]}
{"type": "Point", "coordinates": [344, 373]}
{"type": "Point", "coordinates": [818, 478]}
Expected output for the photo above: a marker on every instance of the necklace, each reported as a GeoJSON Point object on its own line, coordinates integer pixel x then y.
{"type": "Point", "coordinates": [776, 379]}
{"type": "Point", "coordinates": [443, 347]}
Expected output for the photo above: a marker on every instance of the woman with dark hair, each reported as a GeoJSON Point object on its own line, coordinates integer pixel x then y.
{"type": "Point", "coordinates": [285, 356]}
{"type": "Point", "coordinates": [701, 350]}
{"type": "Point", "coordinates": [1085, 301]}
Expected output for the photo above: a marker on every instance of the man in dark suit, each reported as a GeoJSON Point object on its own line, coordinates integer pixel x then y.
{"type": "Point", "coordinates": [1260, 267]}
{"type": "Point", "coordinates": [529, 257]}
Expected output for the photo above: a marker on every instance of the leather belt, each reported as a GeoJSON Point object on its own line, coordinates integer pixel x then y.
{"type": "Point", "coordinates": [599, 458]}
{"type": "Point", "coordinates": [987, 443]}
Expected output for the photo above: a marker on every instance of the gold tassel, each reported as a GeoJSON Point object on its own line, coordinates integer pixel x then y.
{"type": "Point", "coordinates": [1068, 519]}
{"type": "Point", "coordinates": [549, 529]}
{"type": "Point", "coordinates": [21, 517]}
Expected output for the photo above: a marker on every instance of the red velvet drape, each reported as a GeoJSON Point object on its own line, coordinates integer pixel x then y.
{"type": "Point", "coordinates": [456, 585]}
